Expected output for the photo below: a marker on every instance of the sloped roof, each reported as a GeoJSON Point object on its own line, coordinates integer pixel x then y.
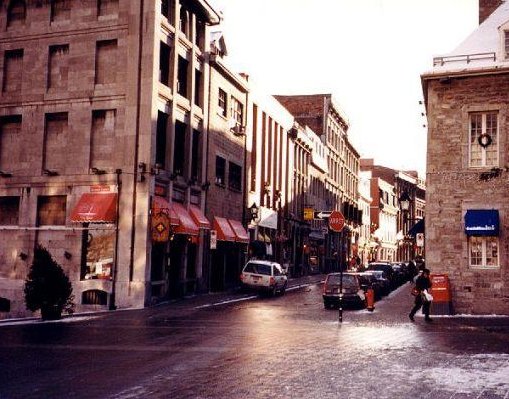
{"type": "Point", "coordinates": [482, 49]}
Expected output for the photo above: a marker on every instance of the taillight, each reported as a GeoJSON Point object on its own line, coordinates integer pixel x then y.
{"type": "Point", "coordinates": [241, 277]}
{"type": "Point", "coordinates": [272, 281]}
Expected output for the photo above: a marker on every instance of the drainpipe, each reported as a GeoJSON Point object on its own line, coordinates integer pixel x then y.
{"type": "Point", "coordinates": [112, 305]}
{"type": "Point", "coordinates": [136, 144]}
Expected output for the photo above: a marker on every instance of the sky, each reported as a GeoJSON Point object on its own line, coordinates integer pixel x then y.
{"type": "Point", "coordinates": [368, 53]}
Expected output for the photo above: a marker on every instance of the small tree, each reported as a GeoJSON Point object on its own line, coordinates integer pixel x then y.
{"type": "Point", "coordinates": [47, 287]}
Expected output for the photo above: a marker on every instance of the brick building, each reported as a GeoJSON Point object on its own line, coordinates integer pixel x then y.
{"type": "Point", "coordinates": [102, 134]}
{"type": "Point", "coordinates": [466, 205]}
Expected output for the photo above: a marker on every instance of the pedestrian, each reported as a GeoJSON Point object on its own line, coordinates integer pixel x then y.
{"type": "Point", "coordinates": [422, 284]}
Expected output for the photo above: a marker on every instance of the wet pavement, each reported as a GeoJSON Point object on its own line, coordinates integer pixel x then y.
{"type": "Point", "coordinates": [237, 345]}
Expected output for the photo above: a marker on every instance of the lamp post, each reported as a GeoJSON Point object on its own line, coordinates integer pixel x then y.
{"type": "Point", "coordinates": [404, 204]}
{"type": "Point", "coordinates": [254, 212]}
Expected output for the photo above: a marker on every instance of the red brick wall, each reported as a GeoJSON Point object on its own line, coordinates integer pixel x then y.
{"type": "Point", "coordinates": [486, 8]}
{"type": "Point", "coordinates": [307, 110]}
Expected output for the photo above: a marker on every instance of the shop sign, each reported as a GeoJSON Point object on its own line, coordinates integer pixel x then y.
{"type": "Point", "coordinates": [309, 213]}
{"type": "Point", "coordinates": [419, 239]}
{"type": "Point", "coordinates": [213, 239]}
{"type": "Point", "coordinates": [160, 227]}
{"type": "Point", "coordinates": [99, 188]}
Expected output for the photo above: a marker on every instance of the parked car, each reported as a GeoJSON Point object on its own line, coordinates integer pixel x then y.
{"type": "Point", "coordinates": [264, 276]}
{"type": "Point", "coordinates": [383, 282]}
{"type": "Point", "coordinates": [385, 267]}
{"type": "Point", "coordinates": [352, 291]}
{"type": "Point", "coordinates": [399, 275]}
{"type": "Point", "coordinates": [368, 280]}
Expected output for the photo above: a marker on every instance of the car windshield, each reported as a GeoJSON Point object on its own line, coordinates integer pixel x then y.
{"type": "Point", "coordinates": [348, 280]}
{"type": "Point", "coordinates": [259, 268]}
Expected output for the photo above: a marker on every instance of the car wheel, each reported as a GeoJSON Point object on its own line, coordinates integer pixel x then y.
{"type": "Point", "coordinates": [273, 291]}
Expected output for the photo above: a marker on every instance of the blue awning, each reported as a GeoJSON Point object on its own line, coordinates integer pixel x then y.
{"type": "Point", "coordinates": [481, 222]}
{"type": "Point", "coordinates": [416, 228]}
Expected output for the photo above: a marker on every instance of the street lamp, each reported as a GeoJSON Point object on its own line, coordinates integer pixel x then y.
{"type": "Point", "coordinates": [254, 211]}
{"type": "Point", "coordinates": [404, 202]}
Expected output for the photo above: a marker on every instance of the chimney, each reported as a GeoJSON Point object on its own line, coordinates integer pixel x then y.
{"type": "Point", "coordinates": [486, 8]}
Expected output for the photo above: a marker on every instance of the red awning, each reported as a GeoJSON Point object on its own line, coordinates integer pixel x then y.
{"type": "Point", "coordinates": [186, 222]}
{"type": "Point", "coordinates": [239, 230]}
{"type": "Point", "coordinates": [224, 230]}
{"type": "Point", "coordinates": [95, 208]}
{"type": "Point", "coordinates": [199, 218]}
{"type": "Point", "coordinates": [161, 205]}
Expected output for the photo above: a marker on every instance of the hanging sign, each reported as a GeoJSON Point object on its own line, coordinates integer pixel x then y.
{"type": "Point", "coordinates": [160, 227]}
{"type": "Point", "coordinates": [213, 239]}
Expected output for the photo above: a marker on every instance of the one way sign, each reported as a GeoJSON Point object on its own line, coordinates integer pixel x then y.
{"type": "Point", "coordinates": [320, 215]}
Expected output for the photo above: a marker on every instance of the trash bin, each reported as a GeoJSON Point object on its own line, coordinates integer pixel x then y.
{"type": "Point", "coordinates": [442, 295]}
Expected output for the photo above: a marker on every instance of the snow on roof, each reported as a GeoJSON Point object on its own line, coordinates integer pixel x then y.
{"type": "Point", "coordinates": [483, 49]}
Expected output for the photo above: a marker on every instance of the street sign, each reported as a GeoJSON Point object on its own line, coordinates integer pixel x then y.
{"type": "Point", "coordinates": [320, 215]}
{"type": "Point", "coordinates": [309, 213]}
{"type": "Point", "coordinates": [336, 221]}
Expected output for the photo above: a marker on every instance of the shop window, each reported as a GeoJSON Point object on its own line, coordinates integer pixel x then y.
{"type": "Point", "coordinates": [162, 123]}
{"type": "Point", "coordinates": [179, 153]}
{"type": "Point", "coordinates": [16, 14]}
{"type": "Point", "coordinates": [164, 63]}
{"type": "Point", "coordinates": [9, 211]}
{"type": "Point", "coordinates": [483, 143]}
{"type": "Point", "coordinates": [13, 67]}
{"type": "Point", "coordinates": [182, 76]}
{"type": "Point", "coordinates": [51, 210]}
{"type": "Point", "coordinates": [60, 10]}
{"type": "Point", "coordinates": [102, 138]}
{"type": "Point", "coordinates": [197, 87]}
{"type": "Point", "coordinates": [10, 147]}
{"type": "Point", "coordinates": [195, 161]}
{"type": "Point", "coordinates": [220, 170]}
{"type": "Point", "coordinates": [58, 68]}
{"type": "Point", "coordinates": [105, 62]}
{"type": "Point", "coordinates": [107, 8]}
{"type": "Point", "coordinates": [98, 249]}
{"type": "Point", "coordinates": [222, 102]}
{"type": "Point", "coordinates": [234, 177]}
{"type": "Point", "coordinates": [483, 252]}
{"type": "Point", "coordinates": [94, 297]}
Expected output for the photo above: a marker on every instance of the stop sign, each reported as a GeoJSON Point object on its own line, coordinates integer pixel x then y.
{"type": "Point", "coordinates": [336, 221]}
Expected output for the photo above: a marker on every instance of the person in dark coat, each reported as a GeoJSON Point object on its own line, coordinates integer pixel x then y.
{"type": "Point", "coordinates": [422, 283]}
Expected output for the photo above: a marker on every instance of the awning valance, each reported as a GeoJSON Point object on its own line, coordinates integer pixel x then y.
{"type": "Point", "coordinates": [223, 228]}
{"type": "Point", "coordinates": [481, 222]}
{"type": "Point", "coordinates": [199, 218]}
{"type": "Point", "coordinates": [239, 230]}
{"type": "Point", "coordinates": [95, 208]}
{"type": "Point", "coordinates": [186, 222]}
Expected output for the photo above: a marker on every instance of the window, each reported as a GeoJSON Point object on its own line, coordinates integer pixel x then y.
{"type": "Point", "coordinates": [164, 63]}
{"type": "Point", "coordinates": [483, 251]}
{"type": "Point", "coordinates": [98, 248]}
{"type": "Point", "coordinates": [51, 210]}
{"type": "Point", "coordinates": [105, 62]}
{"type": "Point", "coordinates": [184, 21]}
{"type": "Point", "coordinates": [483, 139]}
{"type": "Point", "coordinates": [102, 138]}
{"type": "Point", "coordinates": [9, 211]}
{"type": "Point", "coordinates": [179, 148]}
{"type": "Point", "coordinates": [221, 102]}
{"type": "Point", "coordinates": [237, 111]}
{"type": "Point", "coordinates": [235, 177]}
{"type": "Point", "coordinates": [11, 150]}
{"type": "Point", "coordinates": [55, 141]}
{"type": "Point", "coordinates": [162, 122]}
{"type": "Point", "coordinates": [107, 8]}
{"type": "Point", "coordinates": [182, 77]}
{"type": "Point", "coordinates": [58, 68]}
{"type": "Point", "coordinates": [195, 161]}
{"type": "Point", "coordinates": [60, 10]}
{"type": "Point", "coordinates": [220, 170]}
{"type": "Point", "coordinates": [13, 67]}
{"type": "Point", "coordinates": [167, 10]}
{"type": "Point", "coordinates": [197, 88]}
{"type": "Point", "coordinates": [506, 44]}
{"type": "Point", "coordinates": [16, 13]}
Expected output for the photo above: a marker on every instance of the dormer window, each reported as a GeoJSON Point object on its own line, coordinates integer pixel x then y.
{"type": "Point", "coordinates": [506, 44]}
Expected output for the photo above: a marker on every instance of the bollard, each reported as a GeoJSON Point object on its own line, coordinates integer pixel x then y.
{"type": "Point", "coordinates": [370, 299]}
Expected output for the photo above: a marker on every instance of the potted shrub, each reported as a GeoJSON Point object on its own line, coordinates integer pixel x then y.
{"type": "Point", "coordinates": [47, 287]}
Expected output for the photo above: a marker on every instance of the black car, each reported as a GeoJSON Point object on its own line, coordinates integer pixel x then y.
{"type": "Point", "coordinates": [386, 267]}
{"type": "Point", "coordinates": [368, 280]}
{"type": "Point", "coordinates": [353, 294]}
{"type": "Point", "coordinates": [383, 282]}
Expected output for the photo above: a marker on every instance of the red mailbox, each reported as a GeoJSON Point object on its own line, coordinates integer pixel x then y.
{"type": "Point", "coordinates": [442, 295]}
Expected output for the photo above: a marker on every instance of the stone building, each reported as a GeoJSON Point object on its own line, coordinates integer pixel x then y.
{"type": "Point", "coordinates": [467, 180]}
{"type": "Point", "coordinates": [103, 127]}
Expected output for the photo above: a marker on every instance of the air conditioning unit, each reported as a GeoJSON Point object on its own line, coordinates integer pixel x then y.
{"type": "Point", "coordinates": [239, 130]}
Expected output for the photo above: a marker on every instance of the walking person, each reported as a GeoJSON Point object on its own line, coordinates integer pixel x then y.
{"type": "Point", "coordinates": [423, 283]}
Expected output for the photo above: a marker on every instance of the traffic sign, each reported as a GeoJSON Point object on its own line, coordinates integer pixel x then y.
{"type": "Point", "coordinates": [336, 221]}
{"type": "Point", "coordinates": [320, 215]}
{"type": "Point", "coordinates": [308, 213]}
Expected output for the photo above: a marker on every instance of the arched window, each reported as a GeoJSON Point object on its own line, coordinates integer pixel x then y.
{"type": "Point", "coordinates": [16, 13]}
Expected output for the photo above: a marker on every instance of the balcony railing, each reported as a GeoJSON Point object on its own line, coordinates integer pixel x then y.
{"type": "Point", "coordinates": [440, 61]}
